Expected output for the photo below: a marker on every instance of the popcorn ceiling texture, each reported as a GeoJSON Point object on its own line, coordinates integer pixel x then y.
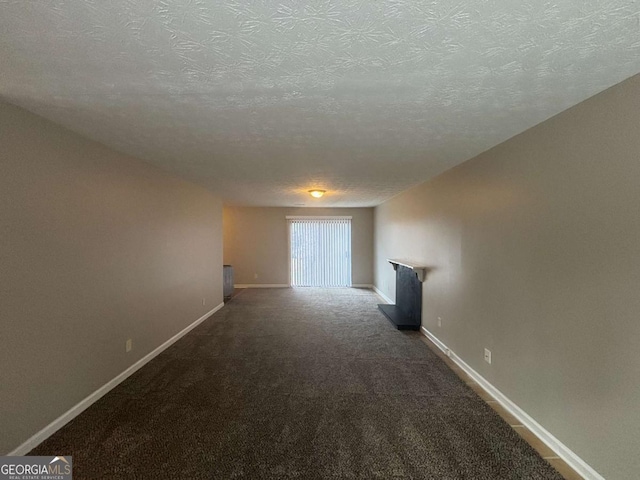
{"type": "Point", "coordinates": [262, 100]}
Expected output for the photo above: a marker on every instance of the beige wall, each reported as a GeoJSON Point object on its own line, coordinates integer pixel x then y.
{"type": "Point", "coordinates": [536, 255]}
{"type": "Point", "coordinates": [95, 248]}
{"type": "Point", "coordinates": [255, 242]}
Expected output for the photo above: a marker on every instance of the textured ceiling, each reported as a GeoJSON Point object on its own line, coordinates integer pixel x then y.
{"type": "Point", "coordinates": [262, 100]}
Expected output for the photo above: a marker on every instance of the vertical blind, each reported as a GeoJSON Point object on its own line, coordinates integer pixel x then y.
{"type": "Point", "coordinates": [320, 251]}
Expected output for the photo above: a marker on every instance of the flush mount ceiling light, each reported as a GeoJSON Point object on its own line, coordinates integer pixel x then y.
{"type": "Point", "coordinates": [317, 193]}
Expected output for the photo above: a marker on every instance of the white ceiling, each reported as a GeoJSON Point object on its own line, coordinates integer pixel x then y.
{"type": "Point", "coordinates": [262, 100]}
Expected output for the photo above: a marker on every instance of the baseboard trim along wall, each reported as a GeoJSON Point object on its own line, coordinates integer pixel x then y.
{"type": "Point", "coordinates": [361, 285]}
{"type": "Point", "coordinates": [573, 460]}
{"type": "Point", "coordinates": [66, 417]}
{"type": "Point", "coordinates": [382, 295]}
{"type": "Point", "coordinates": [436, 341]}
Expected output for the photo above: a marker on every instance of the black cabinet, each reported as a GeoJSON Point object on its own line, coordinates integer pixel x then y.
{"type": "Point", "coordinates": [227, 281]}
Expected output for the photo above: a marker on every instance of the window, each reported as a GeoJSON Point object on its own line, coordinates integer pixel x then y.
{"type": "Point", "coordinates": [320, 251]}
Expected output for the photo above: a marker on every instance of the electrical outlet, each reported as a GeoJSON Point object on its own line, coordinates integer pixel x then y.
{"type": "Point", "coordinates": [255, 276]}
{"type": "Point", "coordinates": [129, 345]}
{"type": "Point", "coordinates": [439, 321]}
{"type": "Point", "coordinates": [487, 356]}
{"type": "Point", "coordinates": [204, 301]}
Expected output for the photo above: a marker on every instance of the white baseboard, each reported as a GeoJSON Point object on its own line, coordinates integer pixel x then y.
{"type": "Point", "coordinates": [573, 460]}
{"type": "Point", "coordinates": [382, 295]}
{"type": "Point", "coordinates": [66, 417]}
{"type": "Point", "coordinates": [361, 285]}
{"type": "Point", "coordinates": [436, 341]}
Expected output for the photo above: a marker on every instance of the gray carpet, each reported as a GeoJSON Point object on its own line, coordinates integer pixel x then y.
{"type": "Point", "coordinates": [296, 383]}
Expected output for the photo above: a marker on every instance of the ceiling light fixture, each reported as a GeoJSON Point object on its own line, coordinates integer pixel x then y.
{"type": "Point", "coordinates": [317, 193]}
